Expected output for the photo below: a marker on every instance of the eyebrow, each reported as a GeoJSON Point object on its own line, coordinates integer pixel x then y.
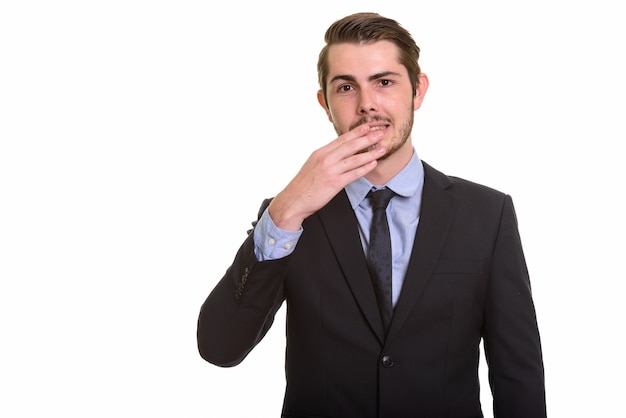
{"type": "Point", "coordinates": [347, 77]}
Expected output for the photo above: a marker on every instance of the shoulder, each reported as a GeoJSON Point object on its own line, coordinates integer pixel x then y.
{"type": "Point", "coordinates": [460, 187]}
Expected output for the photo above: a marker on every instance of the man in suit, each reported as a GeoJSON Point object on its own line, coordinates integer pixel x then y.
{"type": "Point", "coordinates": [457, 272]}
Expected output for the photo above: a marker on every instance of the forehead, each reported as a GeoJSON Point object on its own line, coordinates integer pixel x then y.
{"type": "Point", "coordinates": [363, 59]}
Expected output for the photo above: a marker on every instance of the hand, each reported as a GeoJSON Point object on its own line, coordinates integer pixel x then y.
{"type": "Point", "coordinates": [327, 171]}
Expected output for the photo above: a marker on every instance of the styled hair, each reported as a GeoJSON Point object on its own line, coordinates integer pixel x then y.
{"type": "Point", "coordinates": [367, 28]}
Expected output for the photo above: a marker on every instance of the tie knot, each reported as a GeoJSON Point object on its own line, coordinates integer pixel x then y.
{"type": "Point", "coordinates": [380, 198]}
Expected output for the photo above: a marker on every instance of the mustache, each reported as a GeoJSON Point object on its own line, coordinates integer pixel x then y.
{"type": "Point", "coordinates": [375, 118]}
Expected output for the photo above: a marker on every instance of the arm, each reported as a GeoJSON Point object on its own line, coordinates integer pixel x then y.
{"type": "Point", "coordinates": [241, 308]}
{"type": "Point", "coordinates": [512, 344]}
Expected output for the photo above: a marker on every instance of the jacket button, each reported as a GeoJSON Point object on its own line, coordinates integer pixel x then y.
{"type": "Point", "coordinates": [387, 361]}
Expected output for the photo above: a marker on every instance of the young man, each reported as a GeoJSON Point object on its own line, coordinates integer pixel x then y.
{"type": "Point", "coordinates": [456, 273]}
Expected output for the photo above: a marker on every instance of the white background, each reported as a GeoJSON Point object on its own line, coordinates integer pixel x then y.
{"type": "Point", "coordinates": [119, 119]}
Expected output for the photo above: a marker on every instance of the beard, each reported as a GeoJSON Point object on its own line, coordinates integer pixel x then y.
{"type": "Point", "coordinates": [395, 142]}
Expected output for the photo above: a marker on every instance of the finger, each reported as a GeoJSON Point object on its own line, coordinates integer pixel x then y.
{"type": "Point", "coordinates": [360, 159]}
{"type": "Point", "coordinates": [356, 133]}
{"type": "Point", "coordinates": [363, 143]}
{"type": "Point", "coordinates": [356, 170]}
{"type": "Point", "coordinates": [350, 151]}
{"type": "Point", "coordinates": [359, 131]}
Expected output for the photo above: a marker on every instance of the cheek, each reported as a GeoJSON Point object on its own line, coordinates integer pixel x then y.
{"type": "Point", "coordinates": [342, 105]}
{"type": "Point", "coordinates": [339, 117]}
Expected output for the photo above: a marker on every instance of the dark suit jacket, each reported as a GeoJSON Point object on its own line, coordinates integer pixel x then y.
{"type": "Point", "coordinates": [466, 280]}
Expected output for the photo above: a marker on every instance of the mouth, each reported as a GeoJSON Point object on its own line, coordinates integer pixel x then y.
{"type": "Point", "coordinates": [378, 127]}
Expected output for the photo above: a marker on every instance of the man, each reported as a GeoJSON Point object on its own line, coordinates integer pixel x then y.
{"type": "Point", "coordinates": [457, 270]}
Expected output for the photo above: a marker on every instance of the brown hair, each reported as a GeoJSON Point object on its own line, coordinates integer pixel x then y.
{"type": "Point", "coordinates": [370, 27]}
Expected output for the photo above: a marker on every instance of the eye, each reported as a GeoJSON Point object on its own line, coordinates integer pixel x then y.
{"type": "Point", "coordinates": [344, 88]}
{"type": "Point", "coordinates": [386, 83]}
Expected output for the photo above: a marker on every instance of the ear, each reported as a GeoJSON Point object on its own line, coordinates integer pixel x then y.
{"type": "Point", "coordinates": [420, 91]}
{"type": "Point", "coordinates": [320, 99]}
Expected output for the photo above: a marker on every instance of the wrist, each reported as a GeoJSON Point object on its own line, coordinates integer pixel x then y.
{"type": "Point", "coordinates": [283, 214]}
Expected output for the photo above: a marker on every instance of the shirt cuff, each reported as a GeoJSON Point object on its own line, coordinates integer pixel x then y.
{"type": "Point", "coordinates": [271, 242]}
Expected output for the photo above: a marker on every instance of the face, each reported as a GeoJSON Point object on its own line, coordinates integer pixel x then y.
{"type": "Point", "coordinates": [366, 84]}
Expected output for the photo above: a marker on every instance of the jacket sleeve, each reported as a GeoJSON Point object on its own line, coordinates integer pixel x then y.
{"type": "Point", "coordinates": [241, 308]}
{"type": "Point", "coordinates": [511, 335]}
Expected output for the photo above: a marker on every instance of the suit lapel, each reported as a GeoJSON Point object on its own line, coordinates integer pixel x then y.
{"type": "Point", "coordinates": [341, 227]}
{"type": "Point", "coordinates": [436, 214]}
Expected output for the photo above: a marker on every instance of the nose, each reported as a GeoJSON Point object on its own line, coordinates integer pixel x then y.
{"type": "Point", "coordinates": [367, 102]}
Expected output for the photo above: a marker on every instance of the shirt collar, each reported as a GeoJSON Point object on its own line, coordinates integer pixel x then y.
{"type": "Point", "coordinates": [405, 183]}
